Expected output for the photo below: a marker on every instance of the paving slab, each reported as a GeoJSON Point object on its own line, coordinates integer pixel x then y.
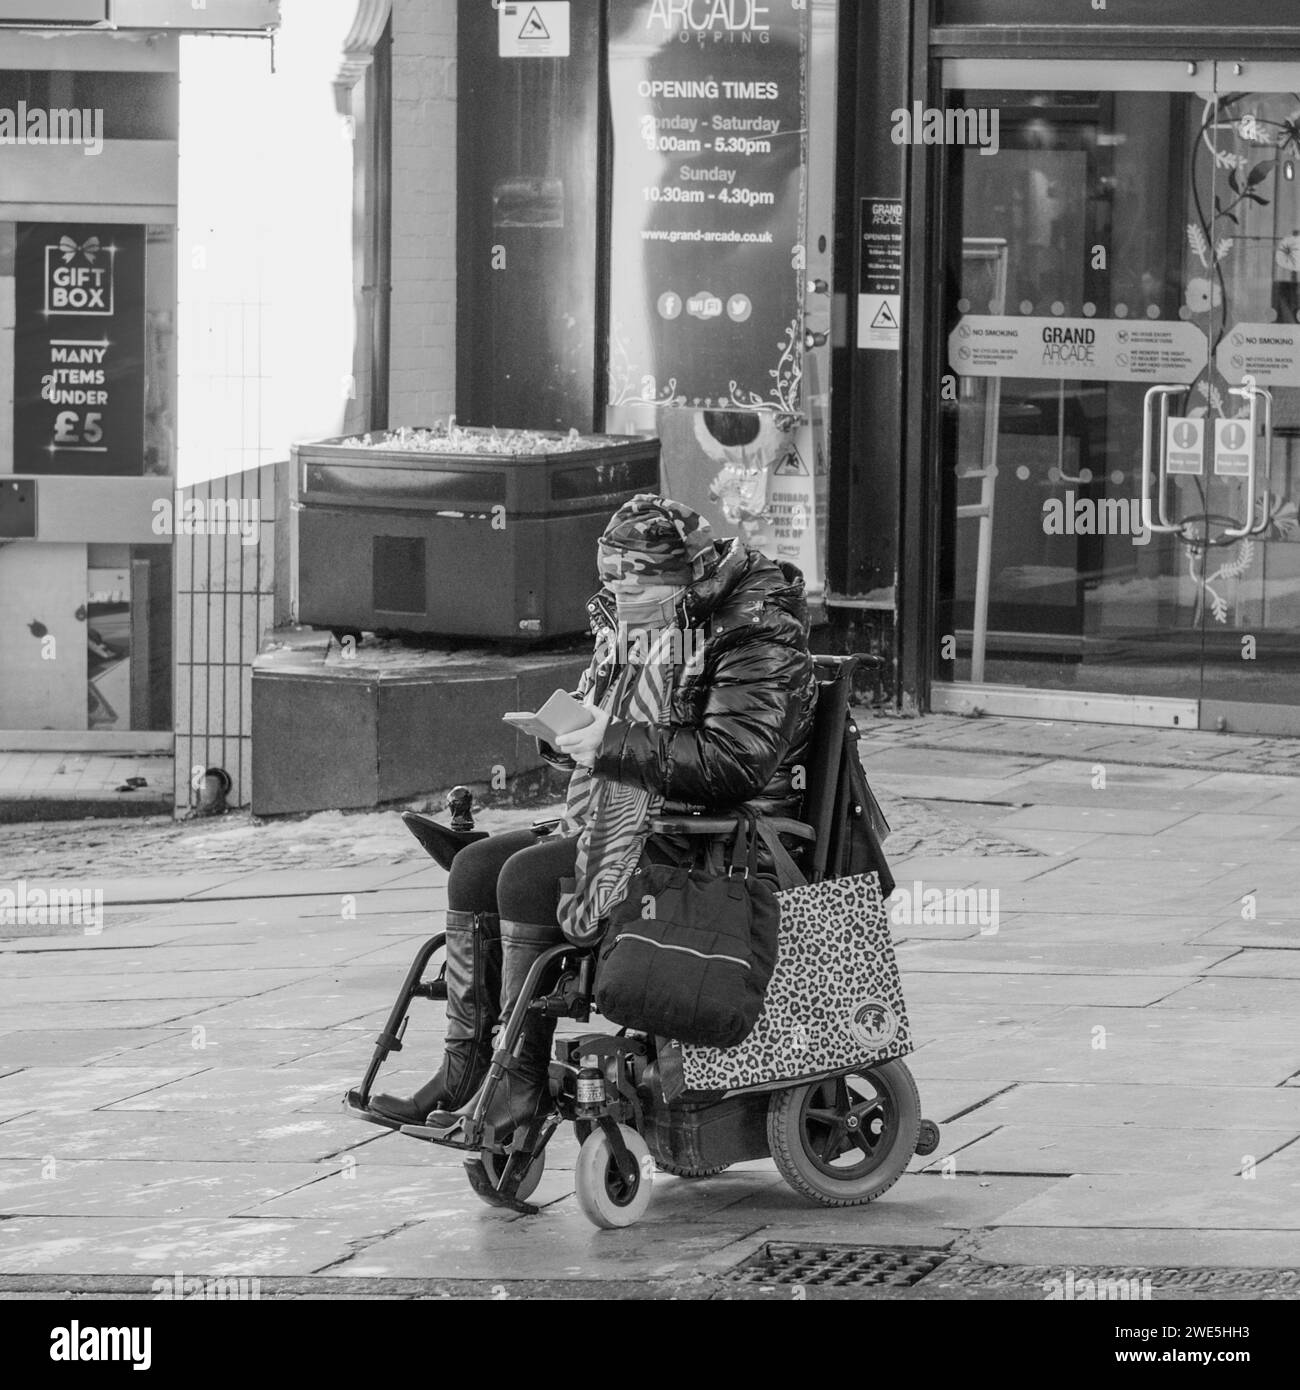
{"type": "Point", "coordinates": [160, 1190]}
{"type": "Point", "coordinates": [1189, 1106]}
{"type": "Point", "coordinates": [299, 1008]}
{"type": "Point", "coordinates": [289, 883]}
{"type": "Point", "coordinates": [44, 1046]}
{"type": "Point", "coordinates": [260, 1136]}
{"type": "Point", "coordinates": [1126, 776]}
{"type": "Point", "coordinates": [1052, 843]}
{"type": "Point", "coordinates": [953, 868]}
{"type": "Point", "coordinates": [1099, 929]}
{"type": "Point", "coordinates": [1272, 933]}
{"type": "Point", "coordinates": [123, 1245]}
{"type": "Point", "coordinates": [951, 762]}
{"type": "Point", "coordinates": [60, 1090]}
{"type": "Point", "coordinates": [299, 953]}
{"type": "Point", "coordinates": [235, 1090]}
{"type": "Point", "coordinates": [1070, 1247]}
{"type": "Point", "coordinates": [1267, 996]}
{"type": "Point", "coordinates": [117, 1013]}
{"type": "Point", "coordinates": [218, 1046]}
{"type": "Point", "coordinates": [96, 985]}
{"type": "Point", "coordinates": [1256, 964]}
{"type": "Point", "coordinates": [931, 990]}
{"type": "Point", "coordinates": [1069, 1149]}
{"type": "Point", "coordinates": [557, 1244]}
{"type": "Point", "coordinates": [1171, 1200]}
{"type": "Point", "coordinates": [919, 1200]}
{"type": "Point", "coordinates": [1127, 1058]}
{"type": "Point", "coordinates": [164, 887]}
{"type": "Point", "coordinates": [996, 953]}
{"type": "Point", "coordinates": [1076, 791]}
{"type": "Point", "coordinates": [1101, 819]}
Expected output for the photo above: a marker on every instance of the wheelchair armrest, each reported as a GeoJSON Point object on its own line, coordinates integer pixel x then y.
{"type": "Point", "coordinates": [724, 825]}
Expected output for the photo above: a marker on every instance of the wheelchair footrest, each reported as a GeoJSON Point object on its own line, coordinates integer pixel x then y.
{"type": "Point", "coordinates": [454, 1139]}
{"type": "Point", "coordinates": [352, 1106]}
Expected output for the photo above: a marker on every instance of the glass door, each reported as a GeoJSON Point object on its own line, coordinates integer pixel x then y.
{"type": "Point", "coordinates": [1122, 264]}
{"type": "Point", "coordinates": [1237, 523]}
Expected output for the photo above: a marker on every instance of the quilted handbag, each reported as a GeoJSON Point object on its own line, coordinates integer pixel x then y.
{"type": "Point", "coordinates": [835, 999]}
{"type": "Point", "coordinates": [688, 953]}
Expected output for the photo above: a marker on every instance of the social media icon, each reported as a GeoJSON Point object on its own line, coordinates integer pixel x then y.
{"type": "Point", "coordinates": [739, 308]}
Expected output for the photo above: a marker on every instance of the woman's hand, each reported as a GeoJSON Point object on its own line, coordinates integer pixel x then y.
{"type": "Point", "coordinates": [581, 745]}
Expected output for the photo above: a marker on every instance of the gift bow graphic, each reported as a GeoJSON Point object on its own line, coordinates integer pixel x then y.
{"type": "Point", "coordinates": [89, 248]}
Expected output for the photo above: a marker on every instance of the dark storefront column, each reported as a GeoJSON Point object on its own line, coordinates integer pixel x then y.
{"type": "Point", "coordinates": [875, 519]}
{"type": "Point", "coordinates": [529, 227]}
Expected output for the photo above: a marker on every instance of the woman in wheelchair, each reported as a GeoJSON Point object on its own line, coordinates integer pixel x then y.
{"type": "Point", "coordinates": [702, 690]}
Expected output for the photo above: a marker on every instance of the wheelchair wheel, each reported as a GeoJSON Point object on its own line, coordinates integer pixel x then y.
{"type": "Point", "coordinates": [845, 1141]}
{"type": "Point", "coordinates": [494, 1164]}
{"type": "Point", "coordinates": [606, 1198]}
{"type": "Point", "coordinates": [684, 1171]}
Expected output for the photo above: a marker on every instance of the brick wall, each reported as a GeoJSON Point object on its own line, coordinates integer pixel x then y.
{"type": "Point", "coordinates": [422, 376]}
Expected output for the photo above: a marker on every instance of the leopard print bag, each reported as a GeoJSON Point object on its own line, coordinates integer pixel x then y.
{"type": "Point", "coordinates": [835, 999]}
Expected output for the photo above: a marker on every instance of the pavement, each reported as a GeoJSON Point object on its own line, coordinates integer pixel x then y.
{"type": "Point", "coordinates": [1110, 1048]}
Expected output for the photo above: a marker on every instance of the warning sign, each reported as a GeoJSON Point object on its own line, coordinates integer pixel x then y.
{"type": "Point", "coordinates": [539, 30]}
{"type": "Point", "coordinates": [1185, 445]}
{"type": "Point", "coordinates": [792, 465]}
{"type": "Point", "coordinates": [878, 316]}
{"type": "Point", "coordinates": [1233, 449]}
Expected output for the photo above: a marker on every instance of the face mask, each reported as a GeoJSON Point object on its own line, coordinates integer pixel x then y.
{"type": "Point", "coordinates": [636, 611]}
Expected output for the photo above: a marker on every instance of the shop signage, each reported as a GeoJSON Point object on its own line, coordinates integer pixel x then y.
{"type": "Point", "coordinates": [1269, 352]}
{"type": "Point", "coordinates": [708, 105]}
{"type": "Point", "coordinates": [79, 349]}
{"type": "Point", "coordinates": [880, 277]}
{"type": "Point", "coordinates": [1077, 349]}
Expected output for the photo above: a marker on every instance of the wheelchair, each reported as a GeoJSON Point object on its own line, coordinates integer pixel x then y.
{"type": "Point", "coordinates": [839, 1138]}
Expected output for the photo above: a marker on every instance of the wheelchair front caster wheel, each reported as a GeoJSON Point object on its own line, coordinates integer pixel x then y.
{"type": "Point", "coordinates": [928, 1139]}
{"type": "Point", "coordinates": [494, 1164]}
{"type": "Point", "coordinates": [607, 1198]}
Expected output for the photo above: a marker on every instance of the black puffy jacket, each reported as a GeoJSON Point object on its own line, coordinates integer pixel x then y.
{"type": "Point", "coordinates": [741, 711]}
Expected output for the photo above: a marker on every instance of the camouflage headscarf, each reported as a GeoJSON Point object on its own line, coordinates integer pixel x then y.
{"type": "Point", "coordinates": [655, 538]}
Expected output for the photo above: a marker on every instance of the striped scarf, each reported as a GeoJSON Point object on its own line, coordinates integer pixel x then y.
{"type": "Point", "coordinates": [612, 818]}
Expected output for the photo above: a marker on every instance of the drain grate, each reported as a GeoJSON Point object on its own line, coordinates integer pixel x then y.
{"type": "Point", "coordinates": [839, 1266]}
{"type": "Point", "coordinates": [1117, 1281]}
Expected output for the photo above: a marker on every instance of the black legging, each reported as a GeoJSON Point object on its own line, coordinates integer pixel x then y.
{"type": "Point", "coordinates": [514, 874]}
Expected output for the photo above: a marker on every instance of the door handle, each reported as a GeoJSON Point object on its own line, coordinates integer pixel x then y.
{"type": "Point", "coordinates": [1163, 392]}
{"type": "Point", "coordinates": [1254, 394]}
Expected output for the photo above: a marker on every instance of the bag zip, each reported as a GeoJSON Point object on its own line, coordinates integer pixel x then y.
{"type": "Point", "coordinates": [688, 950]}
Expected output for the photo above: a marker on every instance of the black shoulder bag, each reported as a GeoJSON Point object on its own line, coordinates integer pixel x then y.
{"type": "Point", "coordinates": [688, 953]}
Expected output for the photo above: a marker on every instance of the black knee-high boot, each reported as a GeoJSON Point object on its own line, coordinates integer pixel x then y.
{"type": "Point", "coordinates": [473, 989]}
{"type": "Point", "coordinates": [521, 1091]}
